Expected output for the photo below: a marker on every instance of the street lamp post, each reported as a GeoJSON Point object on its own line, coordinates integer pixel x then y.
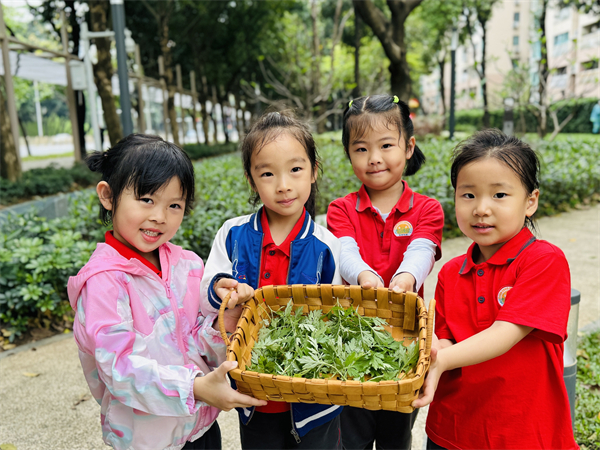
{"type": "Point", "coordinates": [453, 46]}
{"type": "Point", "coordinates": [118, 16]}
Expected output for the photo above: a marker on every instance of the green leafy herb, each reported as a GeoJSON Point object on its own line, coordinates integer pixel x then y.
{"type": "Point", "coordinates": [340, 344]}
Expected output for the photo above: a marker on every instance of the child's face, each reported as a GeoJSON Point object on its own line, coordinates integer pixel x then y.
{"type": "Point", "coordinates": [491, 204]}
{"type": "Point", "coordinates": [282, 176]}
{"type": "Point", "coordinates": [146, 223]}
{"type": "Point", "coordinates": [379, 156]}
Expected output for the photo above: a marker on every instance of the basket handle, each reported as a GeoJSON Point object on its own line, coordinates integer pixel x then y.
{"type": "Point", "coordinates": [222, 318]}
{"type": "Point", "coordinates": [430, 315]}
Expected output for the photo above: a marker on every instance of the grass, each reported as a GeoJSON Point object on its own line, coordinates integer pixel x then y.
{"type": "Point", "coordinates": [587, 405]}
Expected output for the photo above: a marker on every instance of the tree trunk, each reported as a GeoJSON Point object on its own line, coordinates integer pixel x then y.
{"type": "Point", "coordinates": [543, 72]}
{"type": "Point", "coordinates": [79, 97]}
{"type": "Point", "coordinates": [441, 64]}
{"type": "Point", "coordinates": [239, 118]}
{"type": "Point", "coordinates": [484, 93]}
{"type": "Point", "coordinates": [10, 168]}
{"type": "Point", "coordinates": [391, 33]}
{"type": "Point", "coordinates": [205, 127]}
{"type": "Point", "coordinates": [213, 115]}
{"type": "Point", "coordinates": [165, 47]}
{"type": "Point", "coordinates": [357, 25]}
{"type": "Point", "coordinates": [103, 71]}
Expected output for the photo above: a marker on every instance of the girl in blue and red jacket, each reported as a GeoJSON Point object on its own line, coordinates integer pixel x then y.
{"type": "Point", "coordinates": [279, 244]}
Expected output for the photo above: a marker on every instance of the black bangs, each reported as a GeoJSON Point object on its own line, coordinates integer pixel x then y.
{"type": "Point", "coordinates": [359, 125]}
{"type": "Point", "coordinates": [144, 163]}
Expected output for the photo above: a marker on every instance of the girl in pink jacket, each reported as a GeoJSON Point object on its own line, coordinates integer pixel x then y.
{"type": "Point", "coordinates": [152, 361]}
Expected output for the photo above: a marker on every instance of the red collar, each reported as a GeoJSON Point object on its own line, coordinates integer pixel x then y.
{"type": "Point", "coordinates": [405, 202]}
{"type": "Point", "coordinates": [505, 254]}
{"type": "Point", "coordinates": [127, 253]}
{"type": "Point", "coordinates": [285, 245]}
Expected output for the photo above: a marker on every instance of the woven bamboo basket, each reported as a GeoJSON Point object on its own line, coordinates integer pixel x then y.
{"type": "Point", "coordinates": [405, 313]}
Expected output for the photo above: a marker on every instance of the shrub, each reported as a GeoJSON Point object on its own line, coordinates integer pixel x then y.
{"type": "Point", "coordinates": [37, 256]}
{"type": "Point", "coordinates": [587, 404]}
{"type": "Point", "coordinates": [47, 181]}
{"type": "Point", "coordinates": [197, 151]}
{"type": "Point", "coordinates": [471, 120]}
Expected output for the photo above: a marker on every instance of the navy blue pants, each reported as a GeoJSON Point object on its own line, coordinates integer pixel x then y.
{"type": "Point", "coordinates": [211, 440]}
{"type": "Point", "coordinates": [273, 431]}
{"type": "Point", "coordinates": [387, 429]}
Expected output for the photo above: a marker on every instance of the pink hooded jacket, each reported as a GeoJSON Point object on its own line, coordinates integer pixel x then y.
{"type": "Point", "coordinates": [142, 341]}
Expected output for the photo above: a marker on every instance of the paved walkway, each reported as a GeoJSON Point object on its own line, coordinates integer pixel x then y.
{"type": "Point", "coordinates": [45, 401]}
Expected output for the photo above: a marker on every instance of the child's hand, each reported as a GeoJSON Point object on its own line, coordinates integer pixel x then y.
{"type": "Point", "coordinates": [231, 318]}
{"type": "Point", "coordinates": [431, 382]}
{"type": "Point", "coordinates": [403, 282]}
{"type": "Point", "coordinates": [215, 390]}
{"type": "Point", "coordinates": [368, 279]}
{"type": "Point", "coordinates": [242, 294]}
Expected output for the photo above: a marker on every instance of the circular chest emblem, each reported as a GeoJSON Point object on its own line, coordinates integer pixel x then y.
{"type": "Point", "coordinates": [403, 228]}
{"type": "Point", "coordinates": [502, 294]}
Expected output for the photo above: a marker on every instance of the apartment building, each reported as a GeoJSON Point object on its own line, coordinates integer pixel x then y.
{"type": "Point", "coordinates": [573, 52]}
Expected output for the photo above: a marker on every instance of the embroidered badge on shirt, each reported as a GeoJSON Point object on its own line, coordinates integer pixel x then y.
{"type": "Point", "coordinates": [403, 228]}
{"type": "Point", "coordinates": [502, 294]}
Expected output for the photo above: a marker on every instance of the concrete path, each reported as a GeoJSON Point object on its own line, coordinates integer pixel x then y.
{"type": "Point", "coordinates": [45, 402]}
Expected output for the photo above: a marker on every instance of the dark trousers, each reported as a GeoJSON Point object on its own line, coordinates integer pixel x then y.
{"type": "Point", "coordinates": [433, 446]}
{"type": "Point", "coordinates": [211, 440]}
{"type": "Point", "coordinates": [273, 431]}
{"type": "Point", "coordinates": [387, 429]}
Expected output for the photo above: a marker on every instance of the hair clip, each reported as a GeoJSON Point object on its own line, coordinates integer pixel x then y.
{"type": "Point", "coordinates": [350, 104]}
{"type": "Point", "coordinates": [396, 99]}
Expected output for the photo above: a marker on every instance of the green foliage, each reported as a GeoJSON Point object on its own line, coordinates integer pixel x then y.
{"type": "Point", "coordinates": [570, 175]}
{"type": "Point", "coordinates": [36, 259]}
{"type": "Point", "coordinates": [587, 405]}
{"type": "Point", "coordinates": [197, 151]}
{"type": "Point", "coordinates": [341, 344]}
{"type": "Point", "coordinates": [472, 119]}
{"type": "Point", "coordinates": [47, 181]}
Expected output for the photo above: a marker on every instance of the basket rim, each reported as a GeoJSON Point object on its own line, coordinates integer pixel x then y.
{"type": "Point", "coordinates": [411, 378]}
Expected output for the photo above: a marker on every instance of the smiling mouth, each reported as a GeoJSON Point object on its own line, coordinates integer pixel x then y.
{"type": "Point", "coordinates": [151, 233]}
{"type": "Point", "coordinates": [482, 226]}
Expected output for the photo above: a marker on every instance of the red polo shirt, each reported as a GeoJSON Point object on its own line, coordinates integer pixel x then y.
{"type": "Point", "coordinates": [517, 400]}
{"type": "Point", "coordinates": [127, 253]}
{"type": "Point", "coordinates": [382, 244]}
{"type": "Point", "coordinates": [275, 262]}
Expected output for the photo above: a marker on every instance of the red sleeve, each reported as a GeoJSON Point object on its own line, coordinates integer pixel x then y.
{"type": "Point", "coordinates": [541, 296]}
{"type": "Point", "coordinates": [339, 221]}
{"type": "Point", "coordinates": [441, 327]}
{"type": "Point", "coordinates": [430, 224]}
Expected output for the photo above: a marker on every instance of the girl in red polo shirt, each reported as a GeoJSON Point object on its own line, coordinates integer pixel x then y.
{"type": "Point", "coordinates": [501, 312]}
{"type": "Point", "coordinates": [279, 244]}
{"type": "Point", "coordinates": [152, 361]}
{"type": "Point", "coordinates": [390, 235]}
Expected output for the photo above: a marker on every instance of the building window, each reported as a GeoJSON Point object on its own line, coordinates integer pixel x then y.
{"type": "Point", "coordinates": [515, 63]}
{"type": "Point", "coordinates": [516, 18]}
{"type": "Point", "coordinates": [589, 65]}
{"type": "Point", "coordinates": [561, 39]}
{"type": "Point", "coordinates": [591, 28]}
{"type": "Point", "coordinates": [561, 70]}
{"type": "Point", "coordinates": [515, 41]}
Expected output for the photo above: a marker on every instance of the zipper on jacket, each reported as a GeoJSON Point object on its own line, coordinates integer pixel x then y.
{"type": "Point", "coordinates": [287, 277]}
{"type": "Point", "coordinates": [293, 431]}
{"type": "Point", "coordinates": [167, 284]}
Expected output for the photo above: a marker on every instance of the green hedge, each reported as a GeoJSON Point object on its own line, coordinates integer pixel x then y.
{"type": "Point", "coordinates": [47, 181]}
{"type": "Point", "coordinates": [587, 405]}
{"type": "Point", "coordinates": [472, 119]}
{"type": "Point", "coordinates": [197, 151]}
{"type": "Point", "coordinates": [37, 255]}
{"type": "Point", "coordinates": [53, 179]}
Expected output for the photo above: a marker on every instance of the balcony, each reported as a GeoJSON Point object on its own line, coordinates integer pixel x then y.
{"type": "Point", "coordinates": [558, 81]}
